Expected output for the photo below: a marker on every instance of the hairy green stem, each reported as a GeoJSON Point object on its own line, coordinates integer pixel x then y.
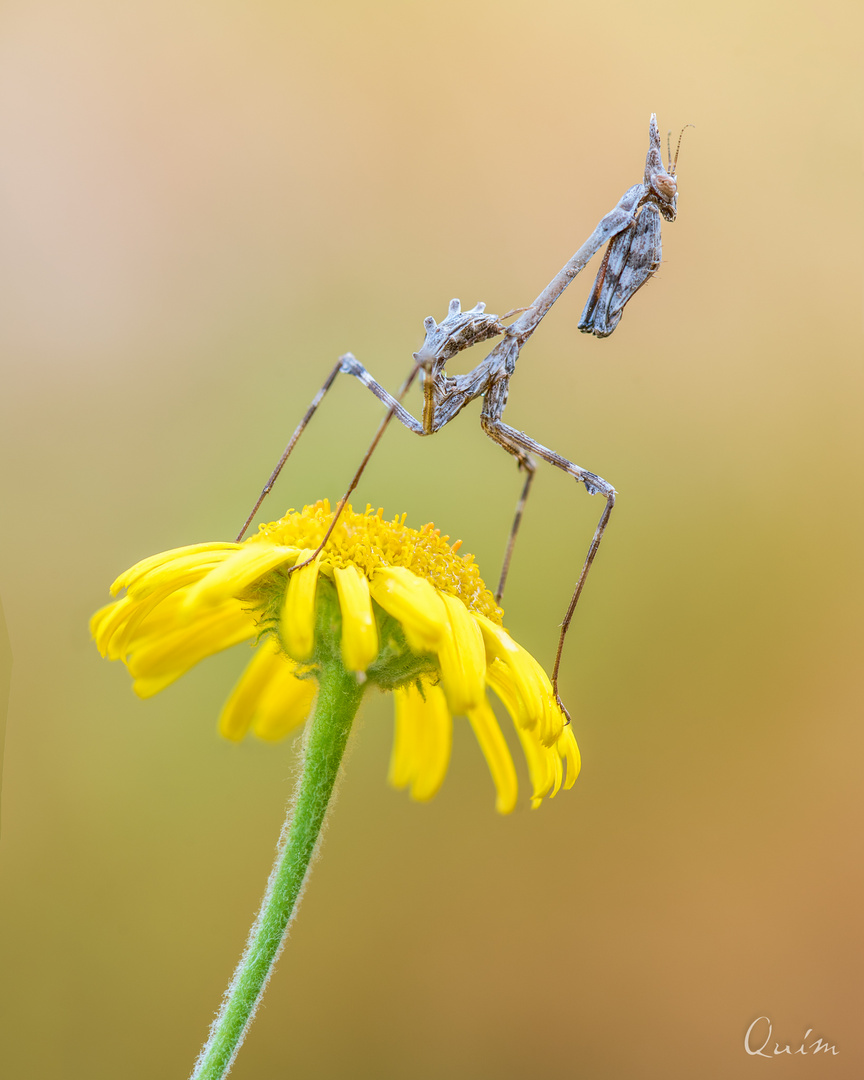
{"type": "Point", "coordinates": [338, 699]}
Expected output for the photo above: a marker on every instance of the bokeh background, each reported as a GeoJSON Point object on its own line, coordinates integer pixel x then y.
{"type": "Point", "coordinates": [202, 206]}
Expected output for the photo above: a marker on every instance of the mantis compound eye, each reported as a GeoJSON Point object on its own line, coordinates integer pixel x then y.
{"type": "Point", "coordinates": [665, 185]}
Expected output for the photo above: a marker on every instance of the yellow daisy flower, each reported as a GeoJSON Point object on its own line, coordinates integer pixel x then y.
{"type": "Point", "coordinates": [397, 606]}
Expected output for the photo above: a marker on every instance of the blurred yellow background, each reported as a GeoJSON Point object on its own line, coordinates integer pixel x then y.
{"type": "Point", "coordinates": [202, 206]}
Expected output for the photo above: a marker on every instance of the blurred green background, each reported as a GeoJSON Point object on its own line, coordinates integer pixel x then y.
{"type": "Point", "coordinates": [203, 205]}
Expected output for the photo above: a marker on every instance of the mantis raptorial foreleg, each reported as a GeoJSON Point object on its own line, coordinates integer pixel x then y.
{"type": "Point", "coordinates": [459, 330]}
{"type": "Point", "coordinates": [349, 365]}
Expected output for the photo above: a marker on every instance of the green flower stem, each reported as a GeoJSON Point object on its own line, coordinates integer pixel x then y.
{"type": "Point", "coordinates": [338, 699]}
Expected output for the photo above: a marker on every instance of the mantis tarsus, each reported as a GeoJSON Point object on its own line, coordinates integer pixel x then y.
{"type": "Point", "coordinates": [632, 230]}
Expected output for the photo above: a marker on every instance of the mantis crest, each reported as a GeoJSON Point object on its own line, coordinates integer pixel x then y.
{"type": "Point", "coordinates": [632, 231]}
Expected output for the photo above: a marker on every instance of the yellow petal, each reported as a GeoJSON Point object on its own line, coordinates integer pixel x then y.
{"type": "Point", "coordinates": [531, 681]}
{"type": "Point", "coordinates": [553, 719]}
{"type": "Point", "coordinates": [497, 756]}
{"type": "Point", "coordinates": [437, 747]}
{"type": "Point", "coordinates": [285, 704]}
{"type": "Point", "coordinates": [178, 651]}
{"type": "Point", "coordinates": [184, 570]}
{"type": "Point", "coordinates": [146, 687]}
{"type": "Point", "coordinates": [557, 769]}
{"type": "Point", "coordinates": [407, 704]}
{"type": "Point", "coordinates": [153, 562]}
{"type": "Point", "coordinates": [569, 751]}
{"type": "Point", "coordinates": [297, 626]}
{"type": "Point", "coordinates": [107, 620]}
{"type": "Point", "coordinates": [154, 616]}
{"type": "Point", "coordinates": [462, 658]}
{"type": "Point", "coordinates": [359, 632]}
{"type": "Point", "coordinates": [236, 573]}
{"type": "Point", "coordinates": [538, 757]}
{"type": "Point", "coordinates": [241, 706]}
{"type": "Point", "coordinates": [414, 603]}
{"type": "Point", "coordinates": [156, 613]}
{"type": "Point", "coordinates": [422, 741]}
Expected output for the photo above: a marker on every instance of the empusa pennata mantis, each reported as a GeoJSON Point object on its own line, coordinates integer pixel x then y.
{"type": "Point", "coordinates": [632, 229]}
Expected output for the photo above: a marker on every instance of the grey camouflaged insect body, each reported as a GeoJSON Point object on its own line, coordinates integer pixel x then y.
{"type": "Point", "coordinates": [630, 260]}
{"type": "Point", "coordinates": [634, 253]}
{"type": "Point", "coordinates": [632, 231]}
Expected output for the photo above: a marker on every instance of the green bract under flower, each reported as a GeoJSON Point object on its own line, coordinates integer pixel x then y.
{"type": "Point", "coordinates": [396, 605]}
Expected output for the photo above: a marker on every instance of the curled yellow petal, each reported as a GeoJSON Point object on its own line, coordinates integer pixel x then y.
{"type": "Point", "coordinates": [107, 621]}
{"type": "Point", "coordinates": [569, 751]}
{"type": "Point", "coordinates": [114, 626]}
{"type": "Point", "coordinates": [531, 681]}
{"type": "Point", "coordinates": [240, 708]}
{"type": "Point", "coordinates": [212, 551]}
{"type": "Point", "coordinates": [497, 755]}
{"type": "Point", "coordinates": [406, 736]}
{"type": "Point", "coordinates": [184, 570]}
{"type": "Point", "coordinates": [359, 632]}
{"type": "Point", "coordinates": [557, 769]}
{"type": "Point", "coordinates": [538, 757]}
{"type": "Point", "coordinates": [423, 740]}
{"type": "Point", "coordinates": [153, 616]}
{"type": "Point", "coordinates": [414, 603]}
{"type": "Point", "coordinates": [285, 703]}
{"type": "Point", "coordinates": [462, 658]}
{"type": "Point", "coordinates": [552, 719]}
{"type": "Point", "coordinates": [297, 625]}
{"type": "Point", "coordinates": [139, 616]}
{"type": "Point", "coordinates": [237, 573]}
{"type": "Point", "coordinates": [438, 745]}
{"type": "Point", "coordinates": [173, 653]}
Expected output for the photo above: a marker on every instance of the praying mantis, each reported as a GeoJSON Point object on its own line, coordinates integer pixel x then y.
{"type": "Point", "coordinates": [632, 231]}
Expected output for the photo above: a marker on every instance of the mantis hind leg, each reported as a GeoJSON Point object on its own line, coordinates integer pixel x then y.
{"type": "Point", "coordinates": [527, 464]}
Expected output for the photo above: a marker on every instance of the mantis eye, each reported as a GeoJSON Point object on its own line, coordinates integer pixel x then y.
{"type": "Point", "coordinates": [666, 185]}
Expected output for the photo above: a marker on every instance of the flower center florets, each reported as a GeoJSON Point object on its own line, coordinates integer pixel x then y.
{"type": "Point", "coordinates": [368, 542]}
